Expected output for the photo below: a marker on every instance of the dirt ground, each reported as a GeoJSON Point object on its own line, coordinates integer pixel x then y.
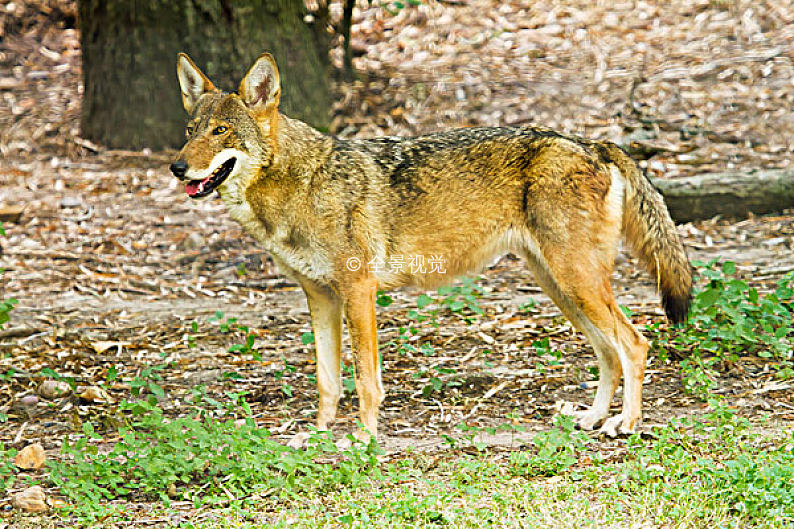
{"type": "Point", "coordinates": [112, 263]}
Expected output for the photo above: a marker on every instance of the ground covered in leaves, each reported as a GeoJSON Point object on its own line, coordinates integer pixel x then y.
{"type": "Point", "coordinates": [126, 287]}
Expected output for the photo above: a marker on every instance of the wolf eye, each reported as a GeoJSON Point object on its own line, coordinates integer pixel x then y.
{"type": "Point", "coordinates": [189, 131]}
{"type": "Point", "coordinates": [219, 130]}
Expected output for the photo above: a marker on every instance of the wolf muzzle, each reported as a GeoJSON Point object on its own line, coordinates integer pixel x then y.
{"type": "Point", "coordinates": [179, 168]}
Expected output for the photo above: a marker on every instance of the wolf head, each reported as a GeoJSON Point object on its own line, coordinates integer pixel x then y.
{"type": "Point", "coordinates": [229, 136]}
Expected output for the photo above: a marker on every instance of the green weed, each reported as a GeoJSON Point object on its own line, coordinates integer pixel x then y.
{"type": "Point", "coordinates": [231, 326]}
{"type": "Point", "coordinates": [6, 305]}
{"type": "Point", "coordinates": [730, 319]}
{"type": "Point", "coordinates": [461, 300]}
{"type": "Point", "coordinates": [555, 450]}
{"type": "Point", "coordinates": [200, 458]}
{"type": "Point", "coordinates": [279, 374]}
{"type": "Point", "coordinates": [7, 468]}
{"type": "Point", "coordinates": [549, 357]}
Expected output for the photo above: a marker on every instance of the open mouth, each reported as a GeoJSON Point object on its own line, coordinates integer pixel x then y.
{"type": "Point", "coordinates": [202, 188]}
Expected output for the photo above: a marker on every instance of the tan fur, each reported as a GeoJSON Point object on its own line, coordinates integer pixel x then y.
{"type": "Point", "coordinates": [468, 195]}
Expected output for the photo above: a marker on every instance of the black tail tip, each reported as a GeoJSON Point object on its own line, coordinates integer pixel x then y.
{"type": "Point", "coordinates": [676, 307]}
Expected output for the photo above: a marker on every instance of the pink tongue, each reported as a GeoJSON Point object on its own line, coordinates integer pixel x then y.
{"type": "Point", "coordinates": [195, 186]}
{"type": "Point", "coordinates": [192, 187]}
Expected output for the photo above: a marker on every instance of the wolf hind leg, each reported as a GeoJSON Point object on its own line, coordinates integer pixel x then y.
{"type": "Point", "coordinates": [580, 287]}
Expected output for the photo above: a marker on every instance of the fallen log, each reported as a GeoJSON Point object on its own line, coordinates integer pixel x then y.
{"type": "Point", "coordinates": [729, 194]}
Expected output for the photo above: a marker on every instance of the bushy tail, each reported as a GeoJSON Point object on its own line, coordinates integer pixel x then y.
{"type": "Point", "coordinates": [650, 231]}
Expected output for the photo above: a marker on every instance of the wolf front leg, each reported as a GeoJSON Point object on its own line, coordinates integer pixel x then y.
{"type": "Point", "coordinates": [326, 312]}
{"type": "Point", "coordinates": [359, 307]}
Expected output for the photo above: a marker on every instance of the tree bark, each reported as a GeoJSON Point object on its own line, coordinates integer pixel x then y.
{"type": "Point", "coordinates": [347, 24]}
{"type": "Point", "coordinates": [131, 97]}
{"type": "Point", "coordinates": [727, 194]}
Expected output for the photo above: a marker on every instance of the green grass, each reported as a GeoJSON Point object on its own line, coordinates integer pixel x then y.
{"type": "Point", "coordinates": [715, 476]}
{"type": "Point", "coordinates": [709, 472]}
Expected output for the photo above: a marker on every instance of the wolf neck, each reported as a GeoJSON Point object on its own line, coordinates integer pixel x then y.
{"type": "Point", "coordinates": [262, 203]}
{"type": "Point", "coordinates": [301, 150]}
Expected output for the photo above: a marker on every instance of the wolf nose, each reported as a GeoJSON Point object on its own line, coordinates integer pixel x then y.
{"type": "Point", "coordinates": [179, 168]}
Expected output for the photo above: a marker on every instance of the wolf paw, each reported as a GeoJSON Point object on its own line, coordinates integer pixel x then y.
{"type": "Point", "coordinates": [619, 425]}
{"type": "Point", "coordinates": [588, 419]}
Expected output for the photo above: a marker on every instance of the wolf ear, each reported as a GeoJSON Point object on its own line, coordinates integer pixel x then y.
{"type": "Point", "coordinates": [192, 82]}
{"type": "Point", "coordinates": [261, 86]}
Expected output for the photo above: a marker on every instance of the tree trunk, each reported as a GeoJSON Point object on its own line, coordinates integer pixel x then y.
{"type": "Point", "coordinates": [727, 194]}
{"type": "Point", "coordinates": [131, 97]}
{"type": "Point", "coordinates": [347, 24]}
